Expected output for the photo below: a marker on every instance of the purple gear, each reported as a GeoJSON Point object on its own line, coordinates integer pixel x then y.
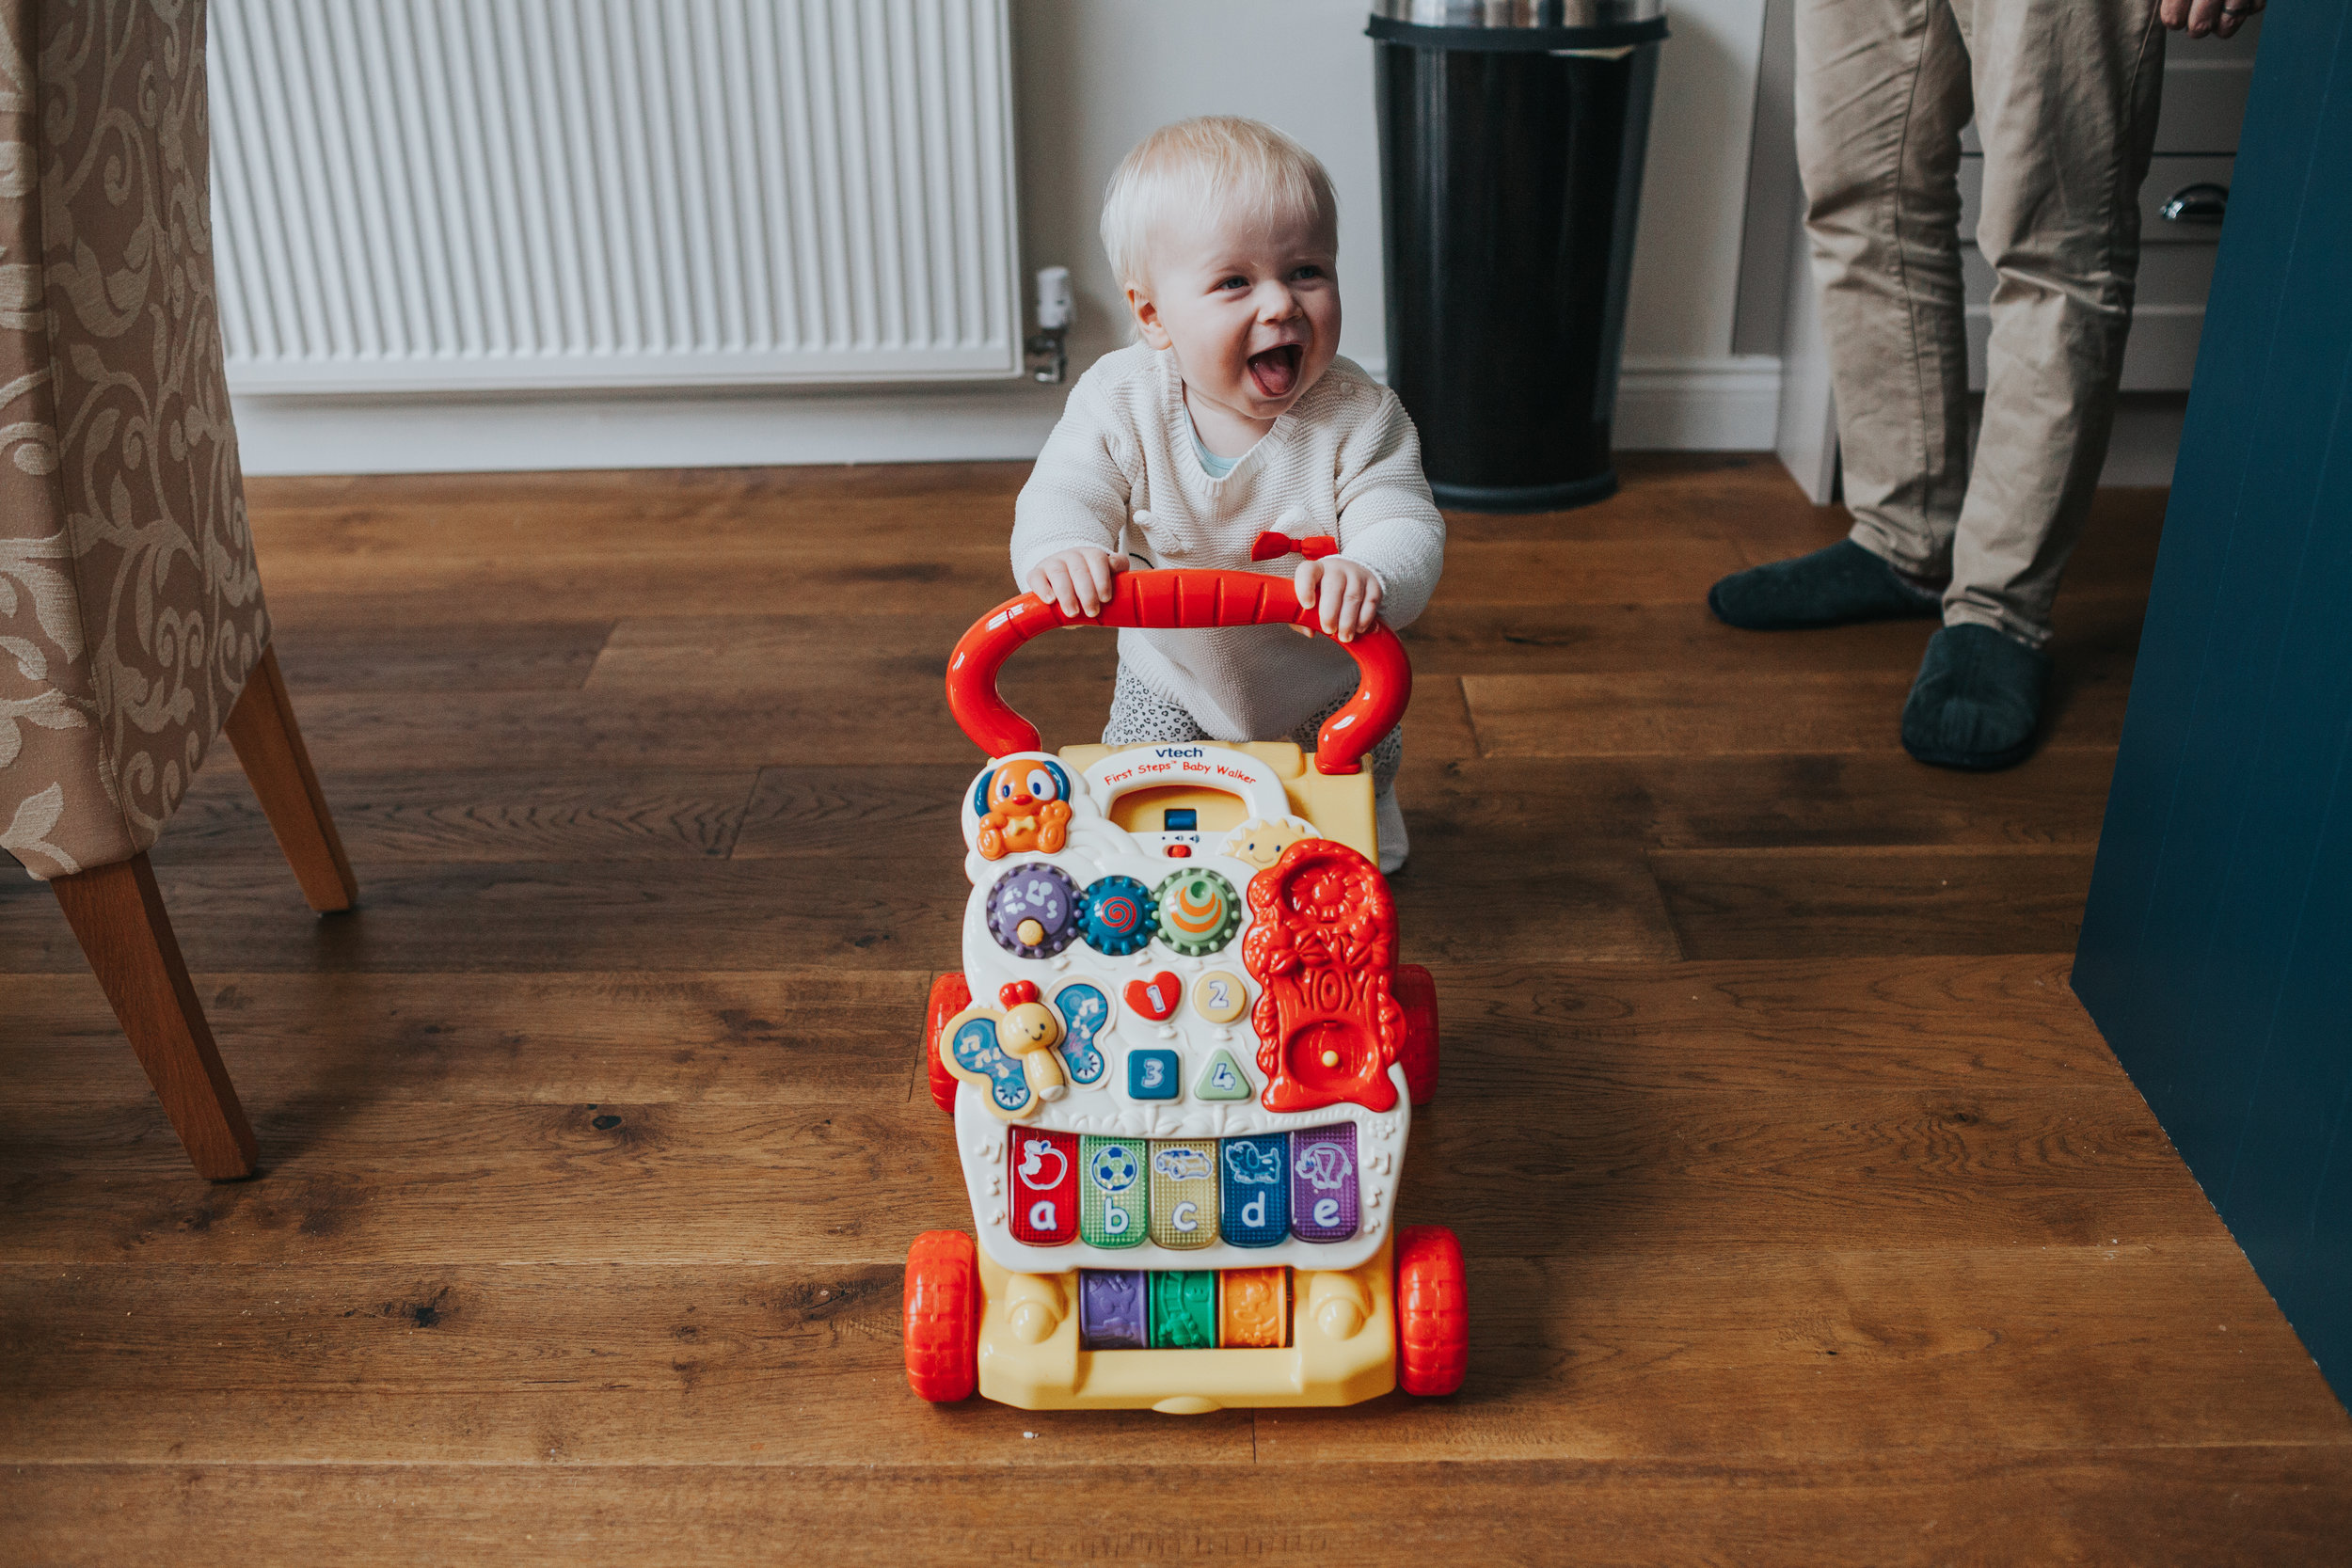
{"type": "Point", "coordinates": [1033, 891]}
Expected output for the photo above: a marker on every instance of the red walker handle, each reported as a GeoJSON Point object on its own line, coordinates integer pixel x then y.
{"type": "Point", "coordinates": [1172, 600]}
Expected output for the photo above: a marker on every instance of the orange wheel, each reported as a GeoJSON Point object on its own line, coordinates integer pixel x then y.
{"type": "Point", "coordinates": [1417, 993]}
{"type": "Point", "coordinates": [949, 996]}
{"type": "Point", "coordinates": [943, 1316]}
{"type": "Point", "coordinates": [1432, 1311]}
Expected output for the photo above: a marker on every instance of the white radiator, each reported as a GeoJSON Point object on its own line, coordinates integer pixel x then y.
{"type": "Point", "coordinates": [416, 195]}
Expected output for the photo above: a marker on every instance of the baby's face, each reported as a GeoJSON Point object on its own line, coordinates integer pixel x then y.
{"type": "Point", "coordinates": [1252, 310]}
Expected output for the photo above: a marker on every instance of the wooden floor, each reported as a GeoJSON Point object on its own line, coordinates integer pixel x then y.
{"type": "Point", "coordinates": [1808, 1219]}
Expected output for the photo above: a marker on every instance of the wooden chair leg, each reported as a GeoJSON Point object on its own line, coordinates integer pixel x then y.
{"type": "Point", "coordinates": [269, 743]}
{"type": "Point", "coordinates": [117, 915]}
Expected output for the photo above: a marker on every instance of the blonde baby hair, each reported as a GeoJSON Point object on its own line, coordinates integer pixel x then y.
{"type": "Point", "coordinates": [1217, 164]}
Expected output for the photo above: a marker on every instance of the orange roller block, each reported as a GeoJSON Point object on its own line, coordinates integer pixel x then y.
{"type": "Point", "coordinates": [1255, 1308]}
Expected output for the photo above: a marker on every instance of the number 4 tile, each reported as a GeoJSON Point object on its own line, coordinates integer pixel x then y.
{"type": "Point", "coordinates": [1223, 1079]}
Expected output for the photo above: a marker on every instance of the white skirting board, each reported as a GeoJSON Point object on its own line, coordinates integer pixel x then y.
{"type": "Point", "coordinates": [381, 435]}
{"type": "Point", "coordinates": [1727, 404]}
{"type": "Point", "coordinates": [1711, 404]}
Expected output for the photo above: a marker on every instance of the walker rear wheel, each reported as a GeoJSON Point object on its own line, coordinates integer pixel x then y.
{"type": "Point", "coordinates": [1417, 993]}
{"type": "Point", "coordinates": [1432, 1311]}
{"type": "Point", "coordinates": [943, 1316]}
{"type": "Point", "coordinates": [950, 995]}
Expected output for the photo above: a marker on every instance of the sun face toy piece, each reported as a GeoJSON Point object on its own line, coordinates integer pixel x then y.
{"type": "Point", "coordinates": [1261, 841]}
{"type": "Point", "coordinates": [1025, 806]}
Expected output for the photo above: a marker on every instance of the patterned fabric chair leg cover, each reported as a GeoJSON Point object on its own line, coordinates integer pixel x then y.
{"type": "Point", "coordinates": [132, 626]}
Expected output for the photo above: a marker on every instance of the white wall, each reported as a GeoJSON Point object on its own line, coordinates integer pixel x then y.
{"type": "Point", "coordinates": [1092, 77]}
{"type": "Point", "coordinates": [1096, 75]}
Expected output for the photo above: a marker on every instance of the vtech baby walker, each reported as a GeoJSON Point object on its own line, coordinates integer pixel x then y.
{"type": "Point", "coordinates": [1181, 1060]}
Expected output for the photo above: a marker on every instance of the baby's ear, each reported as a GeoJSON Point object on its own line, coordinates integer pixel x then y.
{"type": "Point", "coordinates": [1148, 323]}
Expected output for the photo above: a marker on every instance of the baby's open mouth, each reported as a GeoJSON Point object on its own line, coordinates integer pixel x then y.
{"type": "Point", "coordinates": [1276, 372]}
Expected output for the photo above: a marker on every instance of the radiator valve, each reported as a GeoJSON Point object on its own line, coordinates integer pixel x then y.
{"type": "Point", "coordinates": [1049, 350]}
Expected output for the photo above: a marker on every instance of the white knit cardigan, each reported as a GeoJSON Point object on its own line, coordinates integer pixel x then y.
{"type": "Point", "coordinates": [1119, 473]}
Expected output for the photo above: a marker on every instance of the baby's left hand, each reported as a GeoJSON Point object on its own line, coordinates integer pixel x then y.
{"type": "Point", "coordinates": [1347, 592]}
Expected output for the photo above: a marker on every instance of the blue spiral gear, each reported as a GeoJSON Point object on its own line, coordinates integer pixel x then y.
{"type": "Point", "coordinates": [1114, 916]}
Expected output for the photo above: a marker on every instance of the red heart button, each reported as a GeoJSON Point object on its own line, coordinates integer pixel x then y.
{"type": "Point", "coordinates": [1156, 998]}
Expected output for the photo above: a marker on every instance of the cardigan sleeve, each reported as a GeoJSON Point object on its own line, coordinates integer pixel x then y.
{"type": "Point", "coordinates": [1079, 491]}
{"type": "Point", "coordinates": [1387, 519]}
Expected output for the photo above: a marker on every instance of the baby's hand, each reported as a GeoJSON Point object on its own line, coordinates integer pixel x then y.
{"type": "Point", "coordinates": [1077, 580]}
{"type": "Point", "coordinates": [1347, 591]}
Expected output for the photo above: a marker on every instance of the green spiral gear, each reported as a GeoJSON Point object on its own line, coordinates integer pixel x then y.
{"type": "Point", "coordinates": [1190, 890]}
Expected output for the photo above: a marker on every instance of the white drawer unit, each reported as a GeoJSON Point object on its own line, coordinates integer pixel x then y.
{"type": "Point", "coordinates": [2170, 178]}
{"type": "Point", "coordinates": [2205, 84]}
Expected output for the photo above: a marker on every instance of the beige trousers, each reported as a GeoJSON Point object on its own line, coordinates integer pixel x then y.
{"type": "Point", "coordinates": [2064, 95]}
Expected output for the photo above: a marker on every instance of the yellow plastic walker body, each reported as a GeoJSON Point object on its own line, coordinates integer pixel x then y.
{"type": "Point", "coordinates": [1233, 809]}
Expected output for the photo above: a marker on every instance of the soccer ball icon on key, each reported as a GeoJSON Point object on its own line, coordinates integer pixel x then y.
{"type": "Point", "coordinates": [1114, 1168]}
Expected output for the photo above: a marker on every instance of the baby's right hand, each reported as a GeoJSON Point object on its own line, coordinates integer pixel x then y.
{"type": "Point", "coordinates": [1077, 580]}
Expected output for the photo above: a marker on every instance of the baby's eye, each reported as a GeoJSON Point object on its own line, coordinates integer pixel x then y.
{"type": "Point", "coordinates": [1236, 281]}
{"type": "Point", "coordinates": [1309, 271]}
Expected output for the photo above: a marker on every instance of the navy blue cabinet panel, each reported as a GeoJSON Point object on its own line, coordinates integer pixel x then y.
{"type": "Point", "coordinates": [2218, 945]}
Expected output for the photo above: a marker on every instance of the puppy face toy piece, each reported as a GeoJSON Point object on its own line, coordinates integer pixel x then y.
{"type": "Point", "coordinates": [1024, 808]}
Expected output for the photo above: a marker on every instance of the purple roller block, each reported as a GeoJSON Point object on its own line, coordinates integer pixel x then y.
{"type": "Point", "coordinates": [1322, 1182]}
{"type": "Point", "coordinates": [1113, 1308]}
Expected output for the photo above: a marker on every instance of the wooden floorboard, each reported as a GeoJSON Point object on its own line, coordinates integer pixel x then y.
{"type": "Point", "coordinates": [2151, 1507]}
{"type": "Point", "coordinates": [1816, 899]}
{"type": "Point", "coordinates": [496, 815]}
{"type": "Point", "coordinates": [1707, 713]}
{"type": "Point", "coordinates": [1952, 1350]}
{"type": "Point", "coordinates": [1858, 799]}
{"type": "Point", "coordinates": [746, 1036]}
{"type": "Point", "coordinates": [356, 1176]}
{"type": "Point", "coordinates": [493, 654]}
{"type": "Point", "coordinates": [1808, 1219]}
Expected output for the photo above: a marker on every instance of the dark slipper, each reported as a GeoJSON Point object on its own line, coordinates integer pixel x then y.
{"type": "Point", "coordinates": [1828, 588]}
{"type": "Point", "coordinates": [1978, 699]}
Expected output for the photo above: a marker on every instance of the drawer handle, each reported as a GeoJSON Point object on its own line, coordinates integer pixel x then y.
{"type": "Point", "coordinates": [2202, 202]}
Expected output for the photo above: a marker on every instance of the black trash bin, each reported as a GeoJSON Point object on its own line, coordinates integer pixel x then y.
{"type": "Point", "coordinates": [1511, 142]}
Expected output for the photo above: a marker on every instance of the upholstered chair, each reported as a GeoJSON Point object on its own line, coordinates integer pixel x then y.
{"type": "Point", "coordinates": [132, 628]}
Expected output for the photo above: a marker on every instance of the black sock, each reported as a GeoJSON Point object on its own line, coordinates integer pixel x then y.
{"type": "Point", "coordinates": [1830, 587]}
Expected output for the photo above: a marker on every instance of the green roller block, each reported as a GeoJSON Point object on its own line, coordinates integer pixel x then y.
{"type": "Point", "coordinates": [1183, 1310]}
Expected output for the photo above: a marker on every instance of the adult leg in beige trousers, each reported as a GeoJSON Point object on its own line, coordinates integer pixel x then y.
{"type": "Point", "coordinates": [2064, 95]}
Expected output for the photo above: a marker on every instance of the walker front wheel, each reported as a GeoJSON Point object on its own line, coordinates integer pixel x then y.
{"type": "Point", "coordinates": [943, 1316]}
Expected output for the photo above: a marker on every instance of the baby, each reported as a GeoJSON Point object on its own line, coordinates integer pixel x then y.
{"type": "Point", "coordinates": [1231, 433]}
